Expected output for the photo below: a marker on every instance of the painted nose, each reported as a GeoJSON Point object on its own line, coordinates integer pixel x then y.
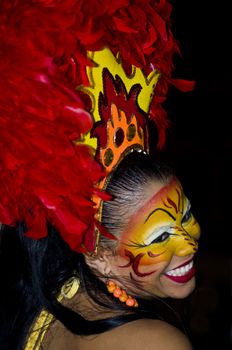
{"type": "Point", "coordinates": [185, 244]}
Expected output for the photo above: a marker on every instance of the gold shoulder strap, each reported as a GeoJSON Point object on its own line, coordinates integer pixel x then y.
{"type": "Point", "coordinates": [44, 319]}
{"type": "Point", "coordinates": [38, 332]}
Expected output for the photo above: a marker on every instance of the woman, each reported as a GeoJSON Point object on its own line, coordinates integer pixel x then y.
{"type": "Point", "coordinates": [95, 232]}
{"type": "Point", "coordinates": [152, 258]}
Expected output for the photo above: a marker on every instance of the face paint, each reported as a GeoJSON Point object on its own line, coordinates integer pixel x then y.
{"type": "Point", "coordinates": [155, 252]}
{"type": "Point", "coordinates": [164, 227]}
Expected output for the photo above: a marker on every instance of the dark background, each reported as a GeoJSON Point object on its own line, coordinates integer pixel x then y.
{"type": "Point", "coordinates": [199, 147]}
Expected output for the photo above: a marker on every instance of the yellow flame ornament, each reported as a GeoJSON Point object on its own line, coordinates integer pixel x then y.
{"type": "Point", "coordinates": [121, 106]}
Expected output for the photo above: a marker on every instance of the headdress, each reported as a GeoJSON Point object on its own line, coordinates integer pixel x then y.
{"type": "Point", "coordinates": [80, 81]}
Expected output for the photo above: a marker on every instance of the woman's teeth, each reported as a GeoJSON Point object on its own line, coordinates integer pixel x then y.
{"type": "Point", "coordinates": [180, 271]}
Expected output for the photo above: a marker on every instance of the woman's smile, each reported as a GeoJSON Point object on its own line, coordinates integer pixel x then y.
{"type": "Point", "coordinates": [182, 273]}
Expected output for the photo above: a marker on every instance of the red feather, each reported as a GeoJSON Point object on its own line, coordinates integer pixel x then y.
{"type": "Point", "coordinates": [44, 175]}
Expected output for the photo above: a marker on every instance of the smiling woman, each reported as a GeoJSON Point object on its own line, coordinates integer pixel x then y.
{"type": "Point", "coordinates": [95, 233]}
{"type": "Point", "coordinates": [152, 257]}
{"type": "Point", "coordinates": [157, 232]}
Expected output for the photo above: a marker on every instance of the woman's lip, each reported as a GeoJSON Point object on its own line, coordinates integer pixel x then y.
{"type": "Point", "coordinates": [185, 278]}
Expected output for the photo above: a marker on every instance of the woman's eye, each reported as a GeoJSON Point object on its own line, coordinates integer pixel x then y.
{"type": "Point", "coordinates": [161, 238]}
{"type": "Point", "coordinates": [187, 216]}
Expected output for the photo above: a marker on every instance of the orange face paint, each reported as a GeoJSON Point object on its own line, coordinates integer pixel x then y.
{"type": "Point", "coordinates": [163, 227]}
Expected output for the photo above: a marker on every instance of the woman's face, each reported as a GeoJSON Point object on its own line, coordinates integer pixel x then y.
{"type": "Point", "coordinates": [155, 252]}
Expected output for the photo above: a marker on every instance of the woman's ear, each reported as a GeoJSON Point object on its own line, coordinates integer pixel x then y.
{"type": "Point", "coordinates": [100, 263]}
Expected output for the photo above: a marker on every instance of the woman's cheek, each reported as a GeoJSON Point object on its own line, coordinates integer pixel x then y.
{"type": "Point", "coordinates": [144, 256]}
{"type": "Point", "coordinates": [151, 258]}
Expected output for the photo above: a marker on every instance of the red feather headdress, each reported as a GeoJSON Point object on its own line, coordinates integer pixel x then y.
{"type": "Point", "coordinates": [44, 175]}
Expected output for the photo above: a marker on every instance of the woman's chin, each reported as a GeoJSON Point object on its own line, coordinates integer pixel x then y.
{"type": "Point", "coordinates": [175, 290]}
{"type": "Point", "coordinates": [184, 290]}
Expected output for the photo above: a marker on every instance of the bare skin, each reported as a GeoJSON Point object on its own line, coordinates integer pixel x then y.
{"type": "Point", "coordinates": [141, 334]}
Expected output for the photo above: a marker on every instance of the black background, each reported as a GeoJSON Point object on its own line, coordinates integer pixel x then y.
{"type": "Point", "coordinates": [199, 148]}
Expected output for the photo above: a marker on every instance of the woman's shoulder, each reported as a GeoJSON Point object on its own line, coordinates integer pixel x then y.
{"type": "Point", "coordinates": [143, 334]}
{"type": "Point", "coordinates": [151, 335]}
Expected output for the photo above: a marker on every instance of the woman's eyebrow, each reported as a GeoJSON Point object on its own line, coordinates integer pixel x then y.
{"type": "Point", "coordinates": [161, 209]}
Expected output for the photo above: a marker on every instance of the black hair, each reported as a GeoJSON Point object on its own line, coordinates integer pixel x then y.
{"type": "Point", "coordinates": [32, 271]}
{"type": "Point", "coordinates": [127, 186]}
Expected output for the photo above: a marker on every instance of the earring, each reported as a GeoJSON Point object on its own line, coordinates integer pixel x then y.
{"type": "Point", "coordinates": [70, 288]}
{"type": "Point", "coordinates": [121, 294]}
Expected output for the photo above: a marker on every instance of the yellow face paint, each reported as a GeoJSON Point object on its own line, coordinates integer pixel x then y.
{"type": "Point", "coordinates": [162, 228]}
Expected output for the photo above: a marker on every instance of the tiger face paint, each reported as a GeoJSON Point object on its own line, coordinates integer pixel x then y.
{"type": "Point", "coordinates": [158, 244]}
